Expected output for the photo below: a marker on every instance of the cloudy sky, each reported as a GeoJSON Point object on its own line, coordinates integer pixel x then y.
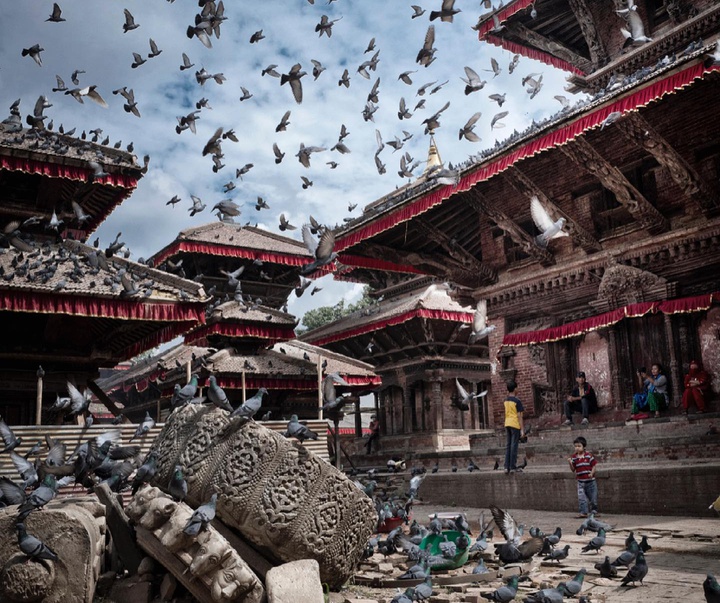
{"type": "Point", "coordinates": [92, 39]}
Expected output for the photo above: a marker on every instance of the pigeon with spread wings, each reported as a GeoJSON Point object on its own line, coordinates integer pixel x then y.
{"type": "Point", "coordinates": [549, 229]}
{"type": "Point", "coordinates": [322, 250]}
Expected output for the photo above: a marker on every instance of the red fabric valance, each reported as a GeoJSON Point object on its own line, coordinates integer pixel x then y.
{"type": "Point", "coordinates": [358, 261]}
{"type": "Point", "coordinates": [232, 251]}
{"type": "Point", "coordinates": [395, 320]}
{"type": "Point", "coordinates": [275, 334]}
{"type": "Point", "coordinates": [161, 336]}
{"type": "Point", "coordinates": [54, 303]}
{"type": "Point", "coordinates": [533, 53]}
{"type": "Point", "coordinates": [503, 15]}
{"type": "Point", "coordinates": [580, 327]}
{"type": "Point", "coordinates": [559, 136]}
{"type": "Point", "coordinates": [56, 170]}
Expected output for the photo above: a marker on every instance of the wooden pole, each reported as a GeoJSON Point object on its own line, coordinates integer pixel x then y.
{"type": "Point", "coordinates": [242, 380]}
{"type": "Point", "coordinates": [189, 370]}
{"type": "Point", "coordinates": [38, 399]}
{"type": "Point", "coordinates": [320, 395]}
{"type": "Point", "coordinates": [336, 437]}
{"type": "Point", "coordinates": [157, 419]}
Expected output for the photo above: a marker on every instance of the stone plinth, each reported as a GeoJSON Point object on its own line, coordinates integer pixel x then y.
{"type": "Point", "coordinates": [295, 582]}
{"type": "Point", "coordinates": [278, 495]}
{"type": "Point", "coordinates": [75, 530]}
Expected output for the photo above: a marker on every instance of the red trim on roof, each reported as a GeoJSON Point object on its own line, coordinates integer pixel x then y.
{"type": "Point", "coordinates": [533, 53]}
{"type": "Point", "coordinates": [395, 320]}
{"type": "Point", "coordinates": [358, 261]}
{"type": "Point", "coordinates": [57, 170]}
{"type": "Point", "coordinates": [503, 15]}
{"type": "Point", "coordinates": [560, 136]}
{"type": "Point", "coordinates": [272, 333]}
{"type": "Point", "coordinates": [162, 336]}
{"type": "Point", "coordinates": [580, 327]}
{"type": "Point", "coordinates": [229, 250]}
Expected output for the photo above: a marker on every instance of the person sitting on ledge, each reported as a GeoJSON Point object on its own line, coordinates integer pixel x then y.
{"type": "Point", "coordinates": [697, 383]}
{"type": "Point", "coordinates": [656, 386]}
{"type": "Point", "coordinates": [582, 399]}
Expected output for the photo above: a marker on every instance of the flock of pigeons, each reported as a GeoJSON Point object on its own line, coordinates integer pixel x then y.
{"type": "Point", "coordinates": [455, 547]}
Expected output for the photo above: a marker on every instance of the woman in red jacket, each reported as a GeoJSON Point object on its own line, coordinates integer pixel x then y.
{"type": "Point", "coordinates": [697, 383]}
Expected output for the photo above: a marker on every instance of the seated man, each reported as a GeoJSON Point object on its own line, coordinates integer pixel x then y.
{"type": "Point", "coordinates": [582, 399]}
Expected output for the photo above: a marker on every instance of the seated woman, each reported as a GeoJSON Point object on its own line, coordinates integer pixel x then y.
{"type": "Point", "coordinates": [697, 383]}
{"type": "Point", "coordinates": [656, 386]}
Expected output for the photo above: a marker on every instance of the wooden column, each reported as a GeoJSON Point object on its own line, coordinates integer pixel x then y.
{"type": "Point", "coordinates": [39, 395]}
{"type": "Point", "coordinates": [358, 417]}
{"type": "Point", "coordinates": [614, 360]}
{"type": "Point", "coordinates": [436, 404]}
{"type": "Point", "coordinates": [675, 376]}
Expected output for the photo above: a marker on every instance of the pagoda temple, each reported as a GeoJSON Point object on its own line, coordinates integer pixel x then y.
{"type": "Point", "coordinates": [630, 176]}
{"type": "Point", "coordinates": [68, 308]}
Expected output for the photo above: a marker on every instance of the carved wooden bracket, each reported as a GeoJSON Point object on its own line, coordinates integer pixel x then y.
{"type": "Point", "coordinates": [586, 157]}
{"type": "Point", "coordinates": [622, 285]}
{"type": "Point", "coordinates": [452, 338]}
{"type": "Point", "coordinates": [638, 130]}
{"type": "Point", "coordinates": [598, 54]}
{"type": "Point", "coordinates": [460, 254]}
{"type": "Point", "coordinates": [477, 201]}
{"type": "Point", "coordinates": [532, 38]}
{"type": "Point", "coordinates": [527, 187]}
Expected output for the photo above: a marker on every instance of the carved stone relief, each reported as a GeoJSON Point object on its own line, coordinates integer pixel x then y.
{"type": "Point", "coordinates": [276, 493]}
{"type": "Point", "coordinates": [622, 285]}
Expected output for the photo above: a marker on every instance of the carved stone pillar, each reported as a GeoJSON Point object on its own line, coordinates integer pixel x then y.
{"type": "Point", "coordinates": [276, 493]}
{"type": "Point", "coordinates": [407, 402]}
{"type": "Point", "coordinates": [435, 378]}
{"type": "Point", "coordinates": [674, 364]}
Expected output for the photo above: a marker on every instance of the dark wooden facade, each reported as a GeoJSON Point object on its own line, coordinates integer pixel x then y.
{"type": "Point", "coordinates": [639, 193]}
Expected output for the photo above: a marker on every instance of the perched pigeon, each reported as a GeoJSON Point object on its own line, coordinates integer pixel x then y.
{"type": "Point", "coordinates": [558, 554]}
{"type": "Point", "coordinates": [248, 408]}
{"type": "Point", "coordinates": [202, 516]}
{"type": "Point", "coordinates": [331, 401]}
{"type": "Point", "coordinates": [33, 547]}
{"type": "Point", "coordinates": [183, 395]}
{"type": "Point", "coordinates": [297, 430]}
{"type": "Point", "coordinates": [145, 472]}
{"type": "Point", "coordinates": [177, 485]}
{"type": "Point", "coordinates": [216, 394]}
{"type": "Point", "coordinates": [39, 497]}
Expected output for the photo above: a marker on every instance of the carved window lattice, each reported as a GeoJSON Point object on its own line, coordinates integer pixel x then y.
{"type": "Point", "coordinates": [537, 355]}
{"type": "Point", "coordinates": [545, 400]}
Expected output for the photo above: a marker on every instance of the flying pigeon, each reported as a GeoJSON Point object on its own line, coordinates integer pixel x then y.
{"type": "Point", "coordinates": [322, 249]}
{"type": "Point", "coordinates": [480, 328]}
{"type": "Point", "coordinates": [11, 442]}
{"type": "Point", "coordinates": [543, 221]}
{"type": "Point", "coordinates": [144, 427]}
{"type": "Point", "coordinates": [293, 77]}
{"type": "Point", "coordinates": [464, 398]}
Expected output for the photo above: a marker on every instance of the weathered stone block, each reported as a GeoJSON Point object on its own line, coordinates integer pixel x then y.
{"type": "Point", "coordinates": [277, 494]}
{"type": "Point", "coordinates": [131, 590]}
{"type": "Point", "coordinates": [74, 529]}
{"type": "Point", "coordinates": [295, 582]}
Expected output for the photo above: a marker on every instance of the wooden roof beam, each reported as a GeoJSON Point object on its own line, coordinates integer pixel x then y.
{"type": "Point", "coordinates": [393, 346]}
{"type": "Point", "coordinates": [598, 53]}
{"type": "Point", "coordinates": [456, 251]}
{"type": "Point", "coordinates": [452, 338]}
{"type": "Point", "coordinates": [527, 187]}
{"type": "Point", "coordinates": [429, 334]}
{"type": "Point", "coordinates": [636, 129]}
{"type": "Point", "coordinates": [586, 157]}
{"type": "Point", "coordinates": [533, 38]}
{"type": "Point", "coordinates": [477, 201]}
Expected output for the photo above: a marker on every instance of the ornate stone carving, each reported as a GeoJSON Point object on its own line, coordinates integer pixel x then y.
{"type": "Point", "coordinates": [537, 354]}
{"type": "Point", "coordinates": [637, 129]}
{"type": "Point", "coordinates": [527, 187]}
{"type": "Point", "coordinates": [208, 557]}
{"type": "Point", "coordinates": [622, 285]}
{"type": "Point", "coordinates": [585, 156]}
{"type": "Point", "coordinates": [277, 494]}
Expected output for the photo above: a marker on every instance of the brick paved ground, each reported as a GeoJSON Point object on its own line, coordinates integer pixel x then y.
{"type": "Point", "coordinates": [684, 550]}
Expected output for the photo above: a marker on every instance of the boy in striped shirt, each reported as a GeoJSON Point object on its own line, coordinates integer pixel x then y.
{"type": "Point", "coordinates": [583, 464]}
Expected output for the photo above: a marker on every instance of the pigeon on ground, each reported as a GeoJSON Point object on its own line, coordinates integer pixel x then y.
{"type": "Point", "coordinates": [504, 594]}
{"type": "Point", "coordinates": [217, 396]}
{"type": "Point", "coordinates": [574, 586]}
{"type": "Point", "coordinates": [595, 543]}
{"type": "Point", "coordinates": [546, 595]}
{"type": "Point", "coordinates": [404, 597]}
{"type": "Point", "coordinates": [147, 424]}
{"type": "Point", "coordinates": [297, 430]}
{"type": "Point", "coordinates": [202, 516]}
{"type": "Point", "coordinates": [637, 572]}
{"type": "Point", "coordinates": [628, 556]}
{"type": "Point", "coordinates": [558, 554]}
{"type": "Point", "coordinates": [711, 588]}
{"type": "Point", "coordinates": [424, 591]}
{"type": "Point", "coordinates": [177, 487]}
{"type": "Point", "coordinates": [644, 544]}
{"type": "Point", "coordinates": [32, 546]}
{"type": "Point", "coordinates": [249, 408]}
{"type": "Point", "coordinates": [606, 569]}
